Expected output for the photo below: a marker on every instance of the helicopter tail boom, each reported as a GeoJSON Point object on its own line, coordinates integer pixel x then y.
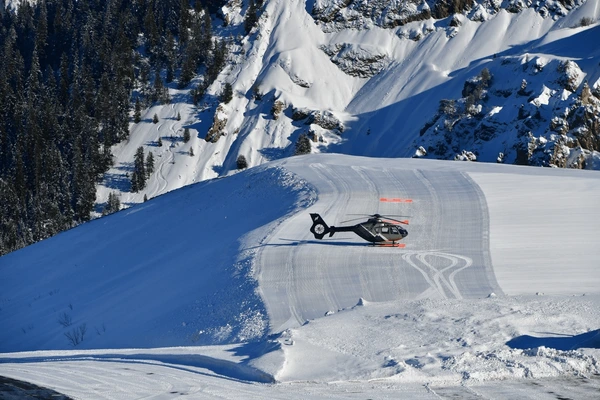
{"type": "Point", "coordinates": [319, 228]}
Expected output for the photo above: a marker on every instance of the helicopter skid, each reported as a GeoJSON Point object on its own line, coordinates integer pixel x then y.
{"type": "Point", "coordinates": [398, 245]}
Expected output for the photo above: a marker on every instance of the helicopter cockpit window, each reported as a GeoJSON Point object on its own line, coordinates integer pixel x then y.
{"type": "Point", "coordinates": [394, 230]}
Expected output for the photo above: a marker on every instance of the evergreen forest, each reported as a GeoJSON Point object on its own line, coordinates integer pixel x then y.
{"type": "Point", "coordinates": [74, 73]}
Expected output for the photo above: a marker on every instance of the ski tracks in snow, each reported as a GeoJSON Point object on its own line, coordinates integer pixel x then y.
{"type": "Point", "coordinates": [442, 281]}
{"type": "Point", "coordinates": [302, 278]}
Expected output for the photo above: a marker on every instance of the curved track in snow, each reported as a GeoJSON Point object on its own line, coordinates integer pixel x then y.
{"type": "Point", "coordinates": [446, 253]}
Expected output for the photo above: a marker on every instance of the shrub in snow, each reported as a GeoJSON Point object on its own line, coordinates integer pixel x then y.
{"type": "Point", "coordinates": [448, 107]}
{"type": "Point", "coordinates": [65, 319]}
{"type": "Point", "coordinates": [227, 94]}
{"type": "Point", "coordinates": [241, 162]}
{"type": "Point", "coordinates": [303, 145]}
{"type": "Point", "coordinates": [76, 335]}
{"type": "Point", "coordinates": [155, 119]}
{"type": "Point", "coordinates": [585, 21]}
{"type": "Point", "coordinates": [256, 91]}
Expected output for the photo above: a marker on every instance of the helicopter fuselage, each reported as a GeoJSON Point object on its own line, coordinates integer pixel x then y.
{"type": "Point", "coordinates": [374, 230]}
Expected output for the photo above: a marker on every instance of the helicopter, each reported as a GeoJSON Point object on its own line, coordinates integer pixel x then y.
{"type": "Point", "coordinates": [377, 229]}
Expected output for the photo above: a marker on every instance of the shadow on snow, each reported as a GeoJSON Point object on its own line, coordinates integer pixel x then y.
{"type": "Point", "coordinates": [589, 339]}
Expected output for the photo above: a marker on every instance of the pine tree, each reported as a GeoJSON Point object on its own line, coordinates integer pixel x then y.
{"type": "Point", "coordinates": [149, 164]}
{"type": "Point", "coordinates": [112, 205]}
{"type": "Point", "coordinates": [217, 62]}
{"type": "Point", "coordinates": [155, 119]}
{"type": "Point", "coordinates": [84, 190]}
{"type": "Point", "coordinates": [137, 113]}
{"type": "Point", "coordinates": [138, 178]}
{"type": "Point", "coordinates": [251, 17]}
{"type": "Point", "coordinates": [72, 76]}
{"type": "Point", "coordinates": [152, 31]}
{"type": "Point", "coordinates": [41, 31]}
{"type": "Point", "coordinates": [158, 93]}
{"type": "Point", "coordinates": [171, 57]}
{"type": "Point", "coordinates": [186, 135]}
{"type": "Point", "coordinates": [65, 80]}
{"type": "Point", "coordinates": [227, 94]}
{"type": "Point", "coordinates": [204, 34]}
{"type": "Point", "coordinates": [184, 20]}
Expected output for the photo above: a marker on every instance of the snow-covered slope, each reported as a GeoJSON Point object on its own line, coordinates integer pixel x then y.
{"type": "Point", "coordinates": [360, 85]}
{"type": "Point", "coordinates": [231, 261]}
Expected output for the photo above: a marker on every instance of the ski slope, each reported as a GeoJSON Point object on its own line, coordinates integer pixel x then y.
{"type": "Point", "coordinates": [219, 289]}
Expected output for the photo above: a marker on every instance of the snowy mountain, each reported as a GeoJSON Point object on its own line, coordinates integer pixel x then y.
{"type": "Point", "coordinates": [386, 78]}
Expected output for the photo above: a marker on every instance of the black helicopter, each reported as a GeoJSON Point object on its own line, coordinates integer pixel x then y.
{"type": "Point", "coordinates": [378, 229]}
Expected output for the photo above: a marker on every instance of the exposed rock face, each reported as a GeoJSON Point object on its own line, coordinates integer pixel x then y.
{"type": "Point", "coordinates": [340, 14]}
{"type": "Point", "coordinates": [277, 109]}
{"type": "Point", "coordinates": [324, 119]}
{"type": "Point", "coordinates": [355, 60]}
{"type": "Point", "coordinates": [550, 119]}
{"type": "Point", "coordinates": [356, 14]}
{"type": "Point", "coordinates": [217, 128]}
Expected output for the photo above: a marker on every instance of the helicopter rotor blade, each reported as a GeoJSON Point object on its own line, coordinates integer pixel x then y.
{"type": "Point", "coordinates": [352, 219]}
{"type": "Point", "coordinates": [378, 216]}
{"type": "Point", "coordinates": [405, 221]}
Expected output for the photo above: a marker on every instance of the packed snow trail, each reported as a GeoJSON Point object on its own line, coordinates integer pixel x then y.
{"type": "Point", "coordinates": [446, 254]}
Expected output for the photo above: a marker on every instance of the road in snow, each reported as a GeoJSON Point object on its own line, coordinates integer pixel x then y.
{"type": "Point", "coordinates": [446, 254]}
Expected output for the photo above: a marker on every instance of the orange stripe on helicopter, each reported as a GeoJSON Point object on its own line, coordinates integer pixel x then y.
{"type": "Point", "coordinates": [395, 200]}
{"type": "Point", "coordinates": [394, 222]}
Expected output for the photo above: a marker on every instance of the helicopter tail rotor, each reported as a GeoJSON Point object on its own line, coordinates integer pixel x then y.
{"type": "Point", "coordinates": [319, 228]}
